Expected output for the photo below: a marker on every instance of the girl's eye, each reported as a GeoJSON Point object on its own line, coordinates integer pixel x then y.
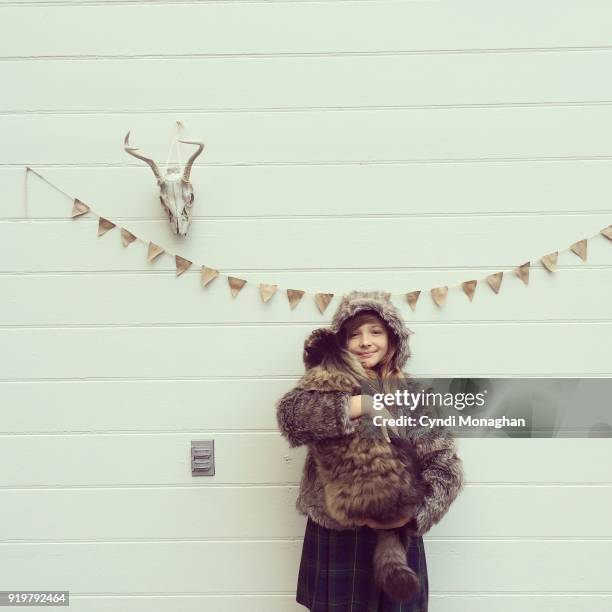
{"type": "Point", "coordinates": [376, 331]}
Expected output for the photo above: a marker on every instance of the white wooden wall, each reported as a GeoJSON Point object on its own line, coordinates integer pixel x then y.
{"type": "Point", "coordinates": [367, 144]}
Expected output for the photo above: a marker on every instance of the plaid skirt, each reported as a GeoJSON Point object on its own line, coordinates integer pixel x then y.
{"type": "Point", "coordinates": [337, 575]}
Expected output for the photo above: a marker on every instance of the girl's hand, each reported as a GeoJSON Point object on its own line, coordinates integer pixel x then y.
{"type": "Point", "coordinates": [355, 407]}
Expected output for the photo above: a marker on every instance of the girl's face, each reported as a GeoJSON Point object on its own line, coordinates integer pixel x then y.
{"type": "Point", "coordinates": [369, 343]}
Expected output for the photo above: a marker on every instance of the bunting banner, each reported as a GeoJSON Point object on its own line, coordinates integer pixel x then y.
{"type": "Point", "coordinates": [322, 300]}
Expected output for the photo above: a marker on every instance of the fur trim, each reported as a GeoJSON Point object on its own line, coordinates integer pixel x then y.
{"type": "Point", "coordinates": [320, 379]}
{"type": "Point", "coordinates": [380, 302]}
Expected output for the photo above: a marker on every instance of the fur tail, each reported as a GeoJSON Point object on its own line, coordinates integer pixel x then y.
{"type": "Point", "coordinates": [391, 570]}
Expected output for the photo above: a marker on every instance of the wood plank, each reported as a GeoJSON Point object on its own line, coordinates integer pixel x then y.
{"type": "Point", "coordinates": [265, 458]}
{"type": "Point", "coordinates": [139, 406]}
{"type": "Point", "coordinates": [211, 28]}
{"type": "Point", "coordinates": [260, 244]}
{"type": "Point", "coordinates": [272, 137]}
{"type": "Point", "coordinates": [333, 190]}
{"type": "Point", "coordinates": [236, 602]}
{"type": "Point", "coordinates": [228, 405]}
{"type": "Point", "coordinates": [525, 349]}
{"type": "Point", "coordinates": [329, 81]}
{"type": "Point", "coordinates": [557, 511]}
{"type": "Point", "coordinates": [254, 602]}
{"type": "Point", "coordinates": [536, 602]}
{"type": "Point", "coordinates": [126, 299]}
{"type": "Point", "coordinates": [227, 567]}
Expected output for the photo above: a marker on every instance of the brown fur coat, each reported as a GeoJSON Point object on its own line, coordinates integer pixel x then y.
{"type": "Point", "coordinates": [364, 476]}
{"type": "Point", "coordinates": [314, 414]}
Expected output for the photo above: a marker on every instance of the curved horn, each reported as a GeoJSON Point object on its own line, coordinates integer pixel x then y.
{"type": "Point", "coordinates": [190, 161]}
{"type": "Point", "coordinates": [150, 162]}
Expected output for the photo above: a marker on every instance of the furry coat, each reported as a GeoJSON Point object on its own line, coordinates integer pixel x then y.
{"type": "Point", "coordinates": [316, 413]}
{"type": "Point", "coordinates": [364, 476]}
{"type": "Point", "coordinates": [307, 416]}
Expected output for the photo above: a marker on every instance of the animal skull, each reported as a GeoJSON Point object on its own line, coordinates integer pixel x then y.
{"type": "Point", "coordinates": [175, 189]}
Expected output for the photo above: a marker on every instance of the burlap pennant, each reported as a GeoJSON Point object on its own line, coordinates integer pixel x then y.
{"type": "Point", "coordinates": [412, 298]}
{"type": "Point", "coordinates": [523, 272]}
{"type": "Point", "coordinates": [550, 261]}
{"type": "Point", "coordinates": [127, 237]}
{"type": "Point", "coordinates": [154, 251]}
{"type": "Point", "coordinates": [495, 281]}
{"type": "Point", "coordinates": [580, 248]}
{"type": "Point", "coordinates": [208, 275]}
{"type": "Point", "coordinates": [294, 296]}
{"type": "Point", "coordinates": [267, 291]}
{"type": "Point", "coordinates": [469, 287]}
{"type": "Point", "coordinates": [439, 295]}
{"type": "Point", "coordinates": [182, 264]}
{"type": "Point", "coordinates": [79, 208]}
{"type": "Point", "coordinates": [236, 284]}
{"type": "Point", "coordinates": [322, 300]}
{"type": "Point", "coordinates": [104, 225]}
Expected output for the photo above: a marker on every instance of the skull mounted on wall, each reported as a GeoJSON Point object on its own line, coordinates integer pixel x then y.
{"type": "Point", "coordinates": [175, 189]}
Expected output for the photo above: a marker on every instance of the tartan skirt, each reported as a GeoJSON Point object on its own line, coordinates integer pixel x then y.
{"type": "Point", "coordinates": [337, 575]}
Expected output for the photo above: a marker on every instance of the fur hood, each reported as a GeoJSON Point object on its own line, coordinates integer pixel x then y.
{"type": "Point", "coordinates": [351, 304]}
{"type": "Point", "coordinates": [380, 302]}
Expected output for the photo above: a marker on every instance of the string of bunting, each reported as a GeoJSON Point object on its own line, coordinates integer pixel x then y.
{"type": "Point", "coordinates": [322, 300]}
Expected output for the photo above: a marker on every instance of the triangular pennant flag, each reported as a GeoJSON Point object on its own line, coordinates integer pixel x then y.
{"type": "Point", "coordinates": [523, 272]}
{"type": "Point", "coordinates": [439, 295]}
{"type": "Point", "coordinates": [294, 296]}
{"type": "Point", "coordinates": [412, 298]}
{"type": "Point", "coordinates": [154, 251]}
{"type": "Point", "coordinates": [607, 232]}
{"type": "Point", "coordinates": [79, 208]}
{"type": "Point", "coordinates": [182, 264]}
{"type": "Point", "coordinates": [550, 261]}
{"type": "Point", "coordinates": [236, 284]}
{"type": "Point", "coordinates": [104, 225]}
{"type": "Point", "coordinates": [267, 291]}
{"type": "Point", "coordinates": [208, 275]}
{"type": "Point", "coordinates": [322, 300]}
{"type": "Point", "coordinates": [469, 287]}
{"type": "Point", "coordinates": [495, 281]}
{"type": "Point", "coordinates": [127, 237]}
{"type": "Point", "coordinates": [580, 248]}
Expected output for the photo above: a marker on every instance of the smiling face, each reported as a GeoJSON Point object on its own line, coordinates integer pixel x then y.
{"type": "Point", "coordinates": [368, 340]}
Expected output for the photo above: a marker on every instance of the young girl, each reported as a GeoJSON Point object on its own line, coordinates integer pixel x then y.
{"type": "Point", "coordinates": [336, 568]}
